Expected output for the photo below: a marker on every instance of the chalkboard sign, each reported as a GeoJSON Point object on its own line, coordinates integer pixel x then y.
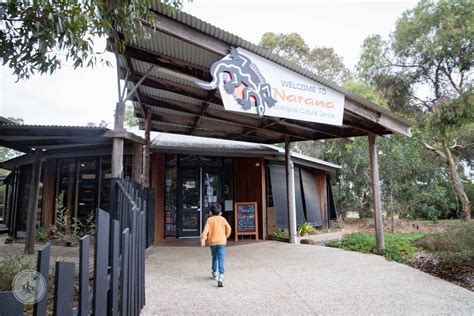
{"type": "Point", "coordinates": [246, 219]}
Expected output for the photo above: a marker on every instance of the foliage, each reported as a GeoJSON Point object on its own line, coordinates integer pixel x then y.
{"type": "Point", "coordinates": [282, 233]}
{"type": "Point", "coordinates": [321, 60]}
{"type": "Point", "coordinates": [42, 234]}
{"type": "Point", "coordinates": [425, 70]}
{"type": "Point", "coordinates": [10, 266]}
{"type": "Point", "coordinates": [35, 34]}
{"type": "Point", "coordinates": [306, 229]}
{"type": "Point", "coordinates": [398, 247]}
{"type": "Point", "coordinates": [469, 188]}
{"type": "Point", "coordinates": [6, 153]}
{"type": "Point", "coordinates": [130, 119]}
{"type": "Point", "coordinates": [102, 123]}
{"type": "Point", "coordinates": [68, 229]}
{"type": "Point", "coordinates": [454, 247]}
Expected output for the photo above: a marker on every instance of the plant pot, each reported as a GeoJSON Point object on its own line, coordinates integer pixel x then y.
{"type": "Point", "coordinates": [9, 305]}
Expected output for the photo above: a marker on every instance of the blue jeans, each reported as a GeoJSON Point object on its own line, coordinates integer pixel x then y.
{"type": "Point", "coordinates": [218, 252]}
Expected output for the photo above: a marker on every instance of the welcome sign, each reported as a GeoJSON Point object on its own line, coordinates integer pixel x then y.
{"type": "Point", "coordinates": [249, 83]}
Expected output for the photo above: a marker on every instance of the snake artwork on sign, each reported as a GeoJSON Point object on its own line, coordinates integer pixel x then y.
{"type": "Point", "coordinates": [242, 79]}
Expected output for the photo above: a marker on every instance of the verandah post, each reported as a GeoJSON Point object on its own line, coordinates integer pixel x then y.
{"type": "Point", "coordinates": [374, 171]}
{"type": "Point", "coordinates": [33, 203]}
{"type": "Point", "coordinates": [117, 145]}
{"type": "Point", "coordinates": [290, 185]}
{"type": "Point", "coordinates": [146, 151]}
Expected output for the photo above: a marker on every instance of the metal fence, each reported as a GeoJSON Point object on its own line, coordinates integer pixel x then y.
{"type": "Point", "coordinates": [117, 286]}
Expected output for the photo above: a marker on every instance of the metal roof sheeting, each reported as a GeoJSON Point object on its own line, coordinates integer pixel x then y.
{"type": "Point", "coordinates": [176, 143]}
{"type": "Point", "coordinates": [196, 54]}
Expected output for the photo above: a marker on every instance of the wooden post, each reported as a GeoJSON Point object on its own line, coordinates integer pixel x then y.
{"type": "Point", "coordinates": [146, 152]}
{"type": "Point", "coordinates": [374, 171]}
{"type": "Point", "coordinates": [49, 191]}
{"type": "Point", "coordinates": [264, 198]}
{"type": "Point", "coordinates": [117, 149]}
{"type": "Point", "coordinates": [137, 160]}
{"type": "Point", "coordinates": [290, 185]}
{"type": "Point", "coordinates": [33, 203]}
{"type": "Point", "coordinates": [119, 118]}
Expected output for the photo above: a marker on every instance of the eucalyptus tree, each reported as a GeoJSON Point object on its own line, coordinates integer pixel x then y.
{"type": "Point", "coordinates": [37, 36]}
{"type": "Point", "coordinates": [425, 69]}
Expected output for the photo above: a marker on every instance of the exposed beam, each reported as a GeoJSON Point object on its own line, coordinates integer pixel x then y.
{"type": "Point", "coordinates": [171, 128]}
{"type": "Point", "coordinates": [161, 84]}
{"type": "Point", "coordinates": [198, 117]}
{"type": "Point", "coordinates": [244, 122]}
{"type": "Point", "coordinates": [137, 84]}
{"type": "Point", "coordinates": [151, 57]}
{"type": "Point", "coordinates": [384, 120]}
{"type": "Point", "coordinates": [190, 35]}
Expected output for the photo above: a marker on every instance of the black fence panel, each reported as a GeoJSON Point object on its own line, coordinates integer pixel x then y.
{"type": "Point", "coordinates": [114, 266]}
{"type": "Point", "coordinates": [101, 262]}
{"type": "Point", "coordinates": [42, 266]}
{"type": "Point", "coordinates": [64, 289]}
{"type": "Point", "coordinates": [119, 260]}
{"type": "Point", "coordinates": [84, 276]}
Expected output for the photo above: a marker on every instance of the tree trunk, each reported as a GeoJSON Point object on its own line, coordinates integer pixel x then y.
{"type": "Point", "coordinates": [458, 186]}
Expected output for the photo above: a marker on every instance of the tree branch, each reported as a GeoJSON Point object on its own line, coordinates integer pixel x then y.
{"type": "Point", "coordinates": [437, 151]}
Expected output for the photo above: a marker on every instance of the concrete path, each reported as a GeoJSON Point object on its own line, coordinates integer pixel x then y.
{"type": "Point", "coordinates": [279, 278]}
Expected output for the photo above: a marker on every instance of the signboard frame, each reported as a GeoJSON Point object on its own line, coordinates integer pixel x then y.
{"type": "Point", "coordinates": [236, 216]}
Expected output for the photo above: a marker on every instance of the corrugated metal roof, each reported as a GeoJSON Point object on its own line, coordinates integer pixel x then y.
{"type": "Point", "coordinates": [187, 52]}
{"type": "Point", "coordinates": [165, 44]}
{"type": "Point", "coordinates": [45, 127]}
{"type": "Point", "coordinates": [212, 146]}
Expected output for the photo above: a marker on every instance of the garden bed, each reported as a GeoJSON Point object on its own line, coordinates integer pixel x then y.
{"type": "Point", "coordinates": [448, 254]}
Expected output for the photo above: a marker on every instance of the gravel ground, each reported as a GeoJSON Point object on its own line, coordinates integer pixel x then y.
{"type": "Point", "coordinates": [279, 278]}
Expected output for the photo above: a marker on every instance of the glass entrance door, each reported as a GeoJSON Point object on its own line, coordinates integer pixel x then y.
{"type": "Point", "coordinates": [190, 203]}
{"type": "Point", "coordinates": [200, 188]}
{"type": "Point", "coordinates": [211, 191]}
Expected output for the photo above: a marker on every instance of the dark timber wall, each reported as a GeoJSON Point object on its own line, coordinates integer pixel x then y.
{"type": "Point", "coordinates": [158, 186]}
{"type": "Point", "coordinates": [248, 184]}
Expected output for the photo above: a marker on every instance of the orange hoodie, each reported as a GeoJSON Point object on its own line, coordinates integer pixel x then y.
{"type": "Point", "coordinates": [218, 229]}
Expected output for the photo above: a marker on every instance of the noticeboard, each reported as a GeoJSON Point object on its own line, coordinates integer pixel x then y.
{"type": "Point", "coordinates": [246, 219]}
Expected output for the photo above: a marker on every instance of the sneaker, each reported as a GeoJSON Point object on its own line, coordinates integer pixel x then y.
{"type": "Point", "coordinates": [215, 276]}
{"type": "Point", "coordinates": [220, 281]}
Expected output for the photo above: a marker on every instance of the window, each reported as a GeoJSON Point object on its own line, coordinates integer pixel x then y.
{"type": "Point", "coordinates": [84, 183]}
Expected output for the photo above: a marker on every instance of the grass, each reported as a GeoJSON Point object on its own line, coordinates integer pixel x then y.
{"type": "Point", "coordinates": [398, 246]}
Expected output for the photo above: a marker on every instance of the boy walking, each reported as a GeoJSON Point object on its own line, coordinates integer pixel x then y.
{"type": "Point", "coordinates": [218, 230]}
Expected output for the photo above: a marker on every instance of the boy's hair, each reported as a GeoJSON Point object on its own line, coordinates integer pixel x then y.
{"type": "Point", "coordinates": [216, 209]}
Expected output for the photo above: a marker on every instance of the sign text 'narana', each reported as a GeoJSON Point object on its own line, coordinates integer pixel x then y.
{"type": "Point", "coordinates": [252, 84]}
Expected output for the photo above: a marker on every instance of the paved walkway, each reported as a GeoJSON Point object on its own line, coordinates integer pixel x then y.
{"type": "Point", "coordinates": [279, 278]}
{"type": "Point", "coordinates": [58, 253]}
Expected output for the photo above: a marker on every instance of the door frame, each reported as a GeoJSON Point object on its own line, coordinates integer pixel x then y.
{"type": "Point", "coordinates": [179, 209]}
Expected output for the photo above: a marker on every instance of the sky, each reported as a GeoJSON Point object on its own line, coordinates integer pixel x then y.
{"type": "Point", "coordinates": [78, 96]}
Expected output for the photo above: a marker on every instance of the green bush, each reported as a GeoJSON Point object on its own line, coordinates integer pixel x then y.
{"type": "Point", "coordinates": [282, 233]}
{"type": "Point", "coordinates": [469, 188]}
{"type": "Point", "coordinates": [306, 229]}
{"type": "Point", "coordinates": [454, 247]}
{"type": "Point", "coordinates": [10, 265]}
{"type": "Point", "coordinates": [42, 234]}
{"type": "Point", "coordinates": [398, 247]}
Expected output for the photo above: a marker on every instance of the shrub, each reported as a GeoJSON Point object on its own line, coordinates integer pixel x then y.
{"type": "Point", "coordinates": [282, 233]}
{"type": "Point", "coordinates": [68, 229]}
{"type": "Point", "coordinates": [454, 247]}
{"type": "Point", "coordinates": [9, 268]}
{"type": "Point", "coordinates": [42, 234]}
{"type": "Point", "coordinates": [306, 229]}
{"type": "Point", "coordinates": [398, 247]}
